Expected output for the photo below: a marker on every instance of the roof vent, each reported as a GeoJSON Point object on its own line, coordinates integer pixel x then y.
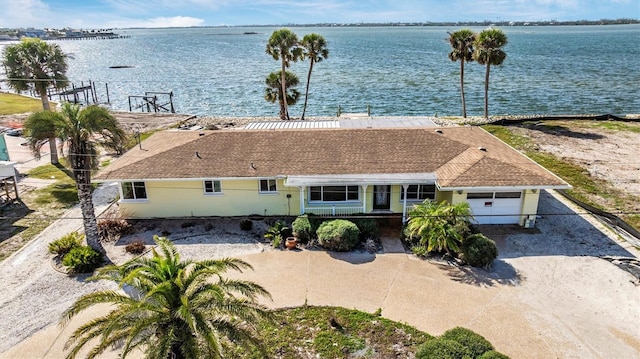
{"type": "Point", "coordinates": [482, 149]}
{"type": "Point", "coordinates": [438, 130]}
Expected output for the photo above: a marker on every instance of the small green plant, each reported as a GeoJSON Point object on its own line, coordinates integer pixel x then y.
{"type": "Point", "coordinates": [135, 247]}
{"type": "Point", "coordinates": [439, 348]}
{"type": "Point", "coordinates": [83, 259]}
{"type": "Point", "coordinates": [276, 241]}
{"type": "Point", "coordinates": [66, 243]}
{"type": "Point", "coordinates": [474, 342]}
{"type": "Point", "coordinates": [278, 228]}
{"type": "Point", "coordinates": [110, 230]}
{"type": "Point", "coordinates": [378, 312]}
{"type": "Point", "coordinates": [478, 250]}
{"type": "Point", "coordinates": [246, 224]}
{"type": "Point", "coordinates": [338, 235]}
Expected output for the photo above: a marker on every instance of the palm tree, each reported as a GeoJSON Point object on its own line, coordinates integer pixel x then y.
{"type": "Point", "coordinates": [283, 45]}
{"type": "Point", "coordinates": [36, 64]}
{"type": "Point", "coordinates": [273, 92]}
{"type": "Point", "coordinates": [78, 130]}
{"type": "Point", "coordinates": [488, 51]}
{"type": "Point", "coordinates": [179, 309]}
{"type": "Point", "coordinates": [440, 226]}
{"type": "Point", "coordinates": [462, 50]}
{"type": "Point", "coordinates": [314, 48]}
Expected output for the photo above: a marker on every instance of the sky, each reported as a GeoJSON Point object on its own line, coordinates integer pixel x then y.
{"type": "Point", "coordinates": [94, 14]}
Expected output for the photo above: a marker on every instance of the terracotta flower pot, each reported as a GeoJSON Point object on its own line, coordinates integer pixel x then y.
{"type": "Point", "coordinates": [291, 242]}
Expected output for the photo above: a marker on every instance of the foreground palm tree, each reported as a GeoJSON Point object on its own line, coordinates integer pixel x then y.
{"type": "Point", "coordinates": [488, 51]}
{"type": "Point", "coordinates": [37, 65]}
{"type": "Point", "coordinates": [283, 46]}
{"type": "Point", "coordinates": [315, 49]}
{"type": "Point", "coordinates": [273, 92]}
{"type": "Point", "coordinates": [461, 43]}
{"type": "Point", "coordinates": [180, 309]}
{"type": "Point", "coordinates": [440, 226]}
{"type": "Point", "coordinates": [78, 130]}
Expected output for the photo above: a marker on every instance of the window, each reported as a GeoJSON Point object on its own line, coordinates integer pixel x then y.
{"type": "Point", "coordinates": [508, 194]}
{"type": "Point", "coordinates": [334, 193]}
{"type": "Point", "coordinates": [134, 190]}
{"type": "Point", "coordinates": [480, 195]}
{"type": "Point", "coordinates": [212, 187]}
{"type": "Point", "coordinates": [419, 192]}
{"type": "Point", "coordinates": [268, 186]}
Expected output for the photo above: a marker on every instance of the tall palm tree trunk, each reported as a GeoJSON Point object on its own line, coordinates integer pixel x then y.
{"type": "Point", "coordinates": [464, 104]}
{"type": "Point", "coordinates": [486, 91]}
{"type": "Point", "coordinates": [306, 92]}
{"type": "Point", "coordinates": [89, 217]}
{"type": "Point", "coordinates": [284, 92]}
{"type": "Point", "coordinates": [52, 140]}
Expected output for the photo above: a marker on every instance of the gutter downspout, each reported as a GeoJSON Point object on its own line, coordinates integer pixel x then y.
{"type": "Point", "coordinates": [404, 203]}
{"type": "Point", "coordinates": [302, 189]}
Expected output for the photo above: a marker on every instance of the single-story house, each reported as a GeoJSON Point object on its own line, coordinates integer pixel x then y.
{"type": "Point", "coordinates": [335, 171]}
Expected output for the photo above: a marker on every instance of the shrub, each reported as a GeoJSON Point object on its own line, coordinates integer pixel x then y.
{"type": "Point", "coordinates": [302, 228]}
{"type": "Point", "coordinates": [315, 222]}
{"type": "Point", "coordinates": [492, 354]}
{"type": "Point", "coordinates": [246, 224]}
{"type": "Point", "coordinates": [439, 348]}
{"type": "Point", "coordinates": [276, 241]}
{"type": "Point", "coordinates": [82, 259]}
{"type": "Point", "coordinates": [278, 228]}
{"type": "Point", "coordinates": [368, 227]}
{"type": "Point", "coordinates": [110, 230]}
{"type": "Point", "coordinates": [474, 342]}
{"type": "Point", "coordinates": [338, 235]}
{"type": "Point", "coordinates": [478, 250]}
{"type": "Point", "coordinates": [66, 243]}
{"type": "Point", "coordinates": [135, 247]}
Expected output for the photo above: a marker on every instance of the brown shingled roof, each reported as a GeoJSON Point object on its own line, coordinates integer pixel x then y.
{"type": "Point", "coordinates": [453, 154]}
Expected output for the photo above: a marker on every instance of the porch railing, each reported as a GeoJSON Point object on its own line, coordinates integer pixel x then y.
{"type": "Point", "coordinates": [333, 210]}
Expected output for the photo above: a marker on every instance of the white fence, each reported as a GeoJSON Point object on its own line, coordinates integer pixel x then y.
{"type": "Point", "coordinates": [333, 211]}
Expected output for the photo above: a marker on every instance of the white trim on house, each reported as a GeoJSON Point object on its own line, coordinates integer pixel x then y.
{"type": "Point", "coordinates": [501, 189]}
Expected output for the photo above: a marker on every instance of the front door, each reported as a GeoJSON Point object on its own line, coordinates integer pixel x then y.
{"type": "Point", "coordinates": [382, 197]}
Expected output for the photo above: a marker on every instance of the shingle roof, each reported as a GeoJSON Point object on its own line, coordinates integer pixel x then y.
{"type": "Point", "coordinates": [451, 152]}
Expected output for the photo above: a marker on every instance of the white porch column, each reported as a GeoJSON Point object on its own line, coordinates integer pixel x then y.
{"type": "Point", "coordinates": [302, 190]}
{"type": "Point", "coordinates": [364, 198]}
{"type": "Point", "coordinates": [404, 203]}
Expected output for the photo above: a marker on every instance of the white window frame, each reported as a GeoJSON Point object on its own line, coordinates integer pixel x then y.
{"type": "Point", "coordinates": [321, 200]}
{"type": "Point", "coordinates": [133, 191]}
{"type": "Point", "coordinates": [213, 187]}
{"type": "Point", "coordinates": [269, 190]}
{"type": "Point", "coordinates": [418, 191]}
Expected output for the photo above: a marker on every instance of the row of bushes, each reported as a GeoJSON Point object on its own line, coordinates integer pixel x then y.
{"type": "Point", "coordinates": [458, 343]}
{"type": "Point", "coordinates": [77, 257]}
{"type": "Point", "coordinates": [337, 235]}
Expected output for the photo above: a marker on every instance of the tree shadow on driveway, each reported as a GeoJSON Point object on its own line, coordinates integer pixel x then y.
{"type": "Point", "coordinates": [502, 273]}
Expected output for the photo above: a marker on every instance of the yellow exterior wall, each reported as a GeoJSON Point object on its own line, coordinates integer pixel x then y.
{"type": "Point", "coordinates": [529, 204]}
{"type": "Point", "coordinates": [187, 198]}
{"type": "Point", "coordinates": [458, 197]}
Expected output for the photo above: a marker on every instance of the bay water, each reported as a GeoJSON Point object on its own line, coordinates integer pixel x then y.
{"type": "Point", "coordinates": [397, 71]}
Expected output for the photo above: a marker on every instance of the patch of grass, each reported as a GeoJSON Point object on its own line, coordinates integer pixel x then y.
{"type": "Point", "coordinates": [13, 104]}
{"type": "Point", "coordinates": [506, 135]}
{"type": "Point", "coordinates": [49, 171]}
{"type": "Point", "coordinates": [333, 332]}
{"type": "Point", "coordinates": [617, 126]}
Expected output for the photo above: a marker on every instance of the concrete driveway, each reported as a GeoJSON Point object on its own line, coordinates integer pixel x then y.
{"type": "Point", "coordinates": [548, 296]}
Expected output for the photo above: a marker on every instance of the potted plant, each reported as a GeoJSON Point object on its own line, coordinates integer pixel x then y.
{"type": "Point", "coordinates": [291, 242]}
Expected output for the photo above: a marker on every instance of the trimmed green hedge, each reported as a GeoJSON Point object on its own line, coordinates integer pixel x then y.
{"type": "Point", "coordinates": [478, 250]}
{"type": "Point", "coordinates": [302, 228]}
{"type": "Point", "coordinates": [338, 235]}
{"type": "Point", "coordinates": [82, 259]}
{"type": "Point", "coordinates": [474, 342]}
{"type": "Point", "coordinates": [439, 348]}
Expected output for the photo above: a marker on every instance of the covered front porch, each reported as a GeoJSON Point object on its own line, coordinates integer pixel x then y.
{"type": "Point", "coordinates": [344, 195]}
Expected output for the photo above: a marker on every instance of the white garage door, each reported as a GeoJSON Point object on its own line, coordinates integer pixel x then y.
{"type": "Point", "coordinates": [495, 207]}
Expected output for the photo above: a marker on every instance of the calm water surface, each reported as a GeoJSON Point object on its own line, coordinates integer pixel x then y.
{"type": "Point", "coordinates": [396, 70]}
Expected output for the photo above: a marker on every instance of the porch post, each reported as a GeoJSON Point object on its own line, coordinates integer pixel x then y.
{"type": "Point", "coordinates": [364, 198]}
{"type": "Point", "coordinates": [404, 203]}
{"type": "Point", "coordinates": [302, 189]}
